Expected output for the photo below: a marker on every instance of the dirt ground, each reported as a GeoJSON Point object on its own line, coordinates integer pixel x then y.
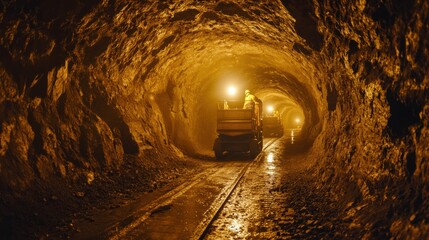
{"type": "Point", "coordinates": [51, 213]}
{"type": "Point", "coordinates": [317, 215]}
{"type": "Point", "coordinates": [281, 198]}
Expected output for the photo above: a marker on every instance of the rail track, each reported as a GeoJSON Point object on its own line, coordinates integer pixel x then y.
{"type": "Point", "coordinates": [134, 226]}
{"type": "Point", "coordinates": [202, 229]}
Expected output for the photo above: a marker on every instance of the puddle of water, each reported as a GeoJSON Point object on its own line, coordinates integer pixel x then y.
{"type": "Point", "coordinates": [270, 166]}
{"type": "Point", "coordinates": [270, 157]}
{"type": "Point", "coordinates": [292, 137]}
{"type": "Point", "coordinates": [236, 226]}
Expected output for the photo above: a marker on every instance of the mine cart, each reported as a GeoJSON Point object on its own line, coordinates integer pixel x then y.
{"type": "Point", "coordinates": [272, 126]}
{"type": "Point", "coordinates": [239, 130]}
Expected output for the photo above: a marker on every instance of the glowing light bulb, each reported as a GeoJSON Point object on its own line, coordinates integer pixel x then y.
{"type": "Point", "coordinates": [297, 120]}
{"type": "Point", "coordinates": [270, 109]}
{"type": "Point", "coordinates": [232, 90]}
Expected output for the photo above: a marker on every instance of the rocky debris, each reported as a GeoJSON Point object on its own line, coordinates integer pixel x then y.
{"type": "Point", "coordinates": [86, 83]}
{"type": "Point", "coordinates": [51, 215]}
{"type": "Point", "coordinates": [291, 206]}
{"type": "Point", "coordinates": [317, 215]}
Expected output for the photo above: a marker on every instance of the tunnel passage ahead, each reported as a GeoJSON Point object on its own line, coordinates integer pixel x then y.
{"type": "Point", "coordinates": [204, 67]}
{"type": "Point", "coordinates": [86, 86]}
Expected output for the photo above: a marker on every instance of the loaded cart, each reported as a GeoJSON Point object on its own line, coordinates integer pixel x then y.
{"type": "Point", "coordinates": [239, 130]}
{"type": "Point", "coordinates": [273, 126]}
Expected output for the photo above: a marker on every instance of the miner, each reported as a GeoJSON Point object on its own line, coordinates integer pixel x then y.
{"type": "Point", "coordinates": [249, 100]}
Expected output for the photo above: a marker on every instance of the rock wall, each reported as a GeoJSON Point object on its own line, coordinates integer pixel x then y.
{"type": "Point", "coordinates": [86, 83]}
{"type": "Point", "coordinates": [376, 140]}
{"type": "Point", "coordinates": [60, 116]}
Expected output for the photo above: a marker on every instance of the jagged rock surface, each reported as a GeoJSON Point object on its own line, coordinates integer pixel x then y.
{"type": "Point", "coordinates": [86, 83]}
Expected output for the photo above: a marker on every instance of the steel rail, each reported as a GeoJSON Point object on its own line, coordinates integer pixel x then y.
{"type": "Point", "coordinates": [119, 231]}
{"type": "Point", "coordinates": [214, 211]}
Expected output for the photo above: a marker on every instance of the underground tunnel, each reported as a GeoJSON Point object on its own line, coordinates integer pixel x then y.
{"type": "Point", "coordinates": [107, 98]}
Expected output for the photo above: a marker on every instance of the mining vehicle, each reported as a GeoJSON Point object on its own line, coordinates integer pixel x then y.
{"type": "Point", "coordinates": [239, 130]}
{"type": "Point", "coordinates": [273, 126]}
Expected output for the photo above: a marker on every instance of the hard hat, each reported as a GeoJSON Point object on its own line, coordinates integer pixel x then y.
{"type": "Point", "coordinates": [247, 91]}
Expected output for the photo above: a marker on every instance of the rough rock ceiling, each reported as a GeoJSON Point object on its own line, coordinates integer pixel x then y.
{"type": "Point", "coordinates": [85, 82]}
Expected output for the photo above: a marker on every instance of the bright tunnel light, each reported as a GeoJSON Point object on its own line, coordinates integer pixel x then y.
{"type": "Point", "coordinates": [297, 120]}
{"type": "Point", "coordinates": [270, 109]}
{"type": "Point", "coordinates": [232, 91]}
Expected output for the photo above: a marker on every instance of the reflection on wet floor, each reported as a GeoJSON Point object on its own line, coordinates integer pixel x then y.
{"type": "Point", "coordinates": [247, 214]}
{"type": "Point", "coordinates": [270, 157]}
{"type": "Point", "coordinates": [236, 225]}
{"type": "Point", "coordinates": [292, 136]}
{"type": "Point", "coordinates": [276, 200]}
{"type": "Point", "coordinates": [270, 164]}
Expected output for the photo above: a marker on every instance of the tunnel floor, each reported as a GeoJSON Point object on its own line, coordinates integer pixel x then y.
{"type": "Point", "coordinates": [277, 198]}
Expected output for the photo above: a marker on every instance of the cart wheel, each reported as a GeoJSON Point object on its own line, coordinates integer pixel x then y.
{"type": "Point", "coordinates": [254, 148]}
{"type": "Point", "coordinates": [218, 150]}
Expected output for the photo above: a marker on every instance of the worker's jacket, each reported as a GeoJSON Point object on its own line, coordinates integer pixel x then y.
{"type": "Point", "coordinates": [249, 101]}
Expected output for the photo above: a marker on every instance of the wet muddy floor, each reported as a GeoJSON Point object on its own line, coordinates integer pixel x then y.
{"type": "Point", "coordinates": [278, 199]}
